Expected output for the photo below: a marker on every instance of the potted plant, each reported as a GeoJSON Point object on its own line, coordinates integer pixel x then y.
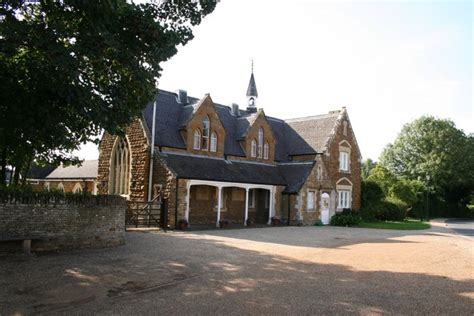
{"type": "Point", "coordinates": [276, 221]}
{"type": "Point", "coordinates": [183, 224]}
{"type": "Point", "coordinates": [223, 223]}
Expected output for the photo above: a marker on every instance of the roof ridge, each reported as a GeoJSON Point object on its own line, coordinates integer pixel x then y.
{"type": "Point", "coordinates": [319, 116]}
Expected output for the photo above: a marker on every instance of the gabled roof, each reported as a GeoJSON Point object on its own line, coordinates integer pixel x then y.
{"type": "Point", "coordinates": [188, 166]}
{"type": "Point", "coordinates": [311, 134]}
{"type": "Point", "coordinates": [40, 172]}
{"type": "Point", "coordinates": [300, 136]}
{"type": "Point", "coordinates": [88, 170]}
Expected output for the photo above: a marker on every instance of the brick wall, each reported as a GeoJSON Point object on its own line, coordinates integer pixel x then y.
{"type": "Point", "coordinates": [65, 226]}
{"type": "Point", "coordinates": [67, 184]}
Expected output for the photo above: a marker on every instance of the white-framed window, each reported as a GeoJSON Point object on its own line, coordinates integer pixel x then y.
{"type": "Point", "coordinates": [343, 161]}
{"type": "Point", "coordinates": [206, 126]}
{"type": "Point", "coordinates": [214, 142]}
{"type": "Point", "coordinates": [251, 200]}
{"type": "Point", "coordinates": [46, 186]}
{"type": "Point", "coordinates": [253, 149]}
{"type": "Point", "coordinates": [61, 187]}
{"type": "Point", "coordinates": [197, 139]}
{"type": "Point", "coordinates": [223, 200]}
{"type": "Point", "coordinates": [344, 199]}
{"type": "Point", "coordinates": [311, 201]}
{"type": "Point", "coordinates": [260, 142]}
{"type": "Point", "coordinates": [119, 182]}
{"type": "Point", "coordinates": [77, 188]}
{"type": "Point", "coordinates": [265, 151]}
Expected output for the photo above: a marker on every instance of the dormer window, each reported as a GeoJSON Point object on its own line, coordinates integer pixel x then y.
{"type": "Point", "coordinates": [197, 140]}
{"type": "Point", "coordinates": [253, 150]}
{"type": "Point", "coordinates": [213, 142]}
{"type": "Point", "coordinates": [265, 151]}
{"type": "Point", "coordinates": [260, 142]}
{"type": "Point", "coordinates": [206, 125]}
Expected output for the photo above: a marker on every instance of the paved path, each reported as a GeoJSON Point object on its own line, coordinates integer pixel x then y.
{"type": "Point", "coordinates": [284, 270]}
{"type": "Point", "coordinates": [461, 226]}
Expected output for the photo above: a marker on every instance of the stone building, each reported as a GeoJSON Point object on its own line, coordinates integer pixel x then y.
{"type": "Point", "coordinates": [75, 179]}
{"type": "Point", "coordinates": [218, 163]}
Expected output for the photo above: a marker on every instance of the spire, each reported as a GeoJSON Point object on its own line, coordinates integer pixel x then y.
{"type": "Point", "coordinates": [252, 93]}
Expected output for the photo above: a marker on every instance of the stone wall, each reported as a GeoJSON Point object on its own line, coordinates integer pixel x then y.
{"type": "Point", "coordinates": [65, 226]}
{"type": "Point", "coordinates": [140, 161]}
{"type": "Point", "coordinates": [331, 160]}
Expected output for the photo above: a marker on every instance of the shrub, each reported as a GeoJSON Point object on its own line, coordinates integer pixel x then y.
{"type": "Point", "coordinates": [391, 212]}
{"type": "Point", "coordinates": [371, 193]}
{"type": "Point", "coordinates": [384, 211]}
{"type": "Point", "coordinates": [346, 218]}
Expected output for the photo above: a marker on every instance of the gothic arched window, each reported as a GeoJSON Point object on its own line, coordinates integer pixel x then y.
{"type": "Point", "coordinates": [265, 151]}
{"type": "Point", "coordinates": [260, 142]}
{"type": "Point", "coordinates": [253, 150]}
{"type": "Point", "coordinates": [214, 142]}
{"type": "Point", "coordinates": [197, 139]}
{"type": "Point", "coordinates": [120, 168]}
{"type": "Point", "coordinates": [77, 188]}
{"type": "Point", "coordinates": [206, 126]}
{"type": "Point", "coordinates": [61, 187]}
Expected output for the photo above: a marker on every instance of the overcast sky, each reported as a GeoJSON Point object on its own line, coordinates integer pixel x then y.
{"type": "Point", "coordinates": [388, 62]}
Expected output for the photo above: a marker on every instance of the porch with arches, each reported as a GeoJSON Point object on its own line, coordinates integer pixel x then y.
{"type": "Point", "coordinates": [216, 203]}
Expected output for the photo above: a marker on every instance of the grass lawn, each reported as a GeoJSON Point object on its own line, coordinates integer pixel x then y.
{"type": "Point", "coordinates": [408, 224]}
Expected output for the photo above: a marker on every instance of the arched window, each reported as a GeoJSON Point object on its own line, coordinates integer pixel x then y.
{"type": "Point", "coordinates": [265, 151]}
{"type": "Point", "coordinates": [61, 187]}
{"type": "Point", "coordinates": [253, 150]}
{"type": "Point", "coordinates": [120, 168]}
{"type": "Point", "coordinates": [206, 125]}
{"type": "Point", "coordinates": [260, 142]}
{"type": "Point", "coordinates": [46, 186]}
{"type": "Point", "coordinates": [214, 142]}
{"type": "Point", "coordinates": [197, 139]}
{"type": "Point", "coordinates": [77, 188]}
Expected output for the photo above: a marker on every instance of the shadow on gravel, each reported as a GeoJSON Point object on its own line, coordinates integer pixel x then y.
{"type": "Point", "coordinates": [175, 274]}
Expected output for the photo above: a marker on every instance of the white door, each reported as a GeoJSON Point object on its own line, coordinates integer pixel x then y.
{"type": "Point", "coordinates": [325, 202]}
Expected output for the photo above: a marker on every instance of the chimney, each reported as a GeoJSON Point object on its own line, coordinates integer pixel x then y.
{"type": "Point", "coordinates": [182, 96]}
{"type": "Point", "coordinates": [235, 109]}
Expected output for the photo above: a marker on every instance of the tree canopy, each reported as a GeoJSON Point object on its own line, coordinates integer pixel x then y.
{"type": "Point", "coordinates": [435, 153]}
{"type": "Point", "coordinates": [72, 68]}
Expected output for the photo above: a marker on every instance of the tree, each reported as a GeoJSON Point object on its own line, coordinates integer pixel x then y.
{"type": "Point", "coordinates": [366, 167]}
{"type": "Point", "coordinates": [71, 68]}
{"type": "Point", "coordinates": [435, 153]}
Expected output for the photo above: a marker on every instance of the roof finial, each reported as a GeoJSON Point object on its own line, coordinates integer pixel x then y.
{"type": "Point", "coordinates": [252, 65]}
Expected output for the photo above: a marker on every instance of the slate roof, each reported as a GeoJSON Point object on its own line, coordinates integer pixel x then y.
{"type": "Point", "coordinates": [195, 167]}
{"type": "Point", "coordinates": [40, 172]}
{"type": "Point", "coordinates": [310, 134]}
{"type": "Point", "coordinates": [88, 170]}
{"type": "Point", "coordinates": [293, 137]}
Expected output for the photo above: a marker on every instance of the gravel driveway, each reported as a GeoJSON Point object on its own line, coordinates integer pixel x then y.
{"type": "Point", "coordinates": [279, 270]}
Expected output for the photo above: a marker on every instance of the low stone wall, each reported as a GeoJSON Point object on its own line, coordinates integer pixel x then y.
{"type": "Point", "coordinates": [97, 223]}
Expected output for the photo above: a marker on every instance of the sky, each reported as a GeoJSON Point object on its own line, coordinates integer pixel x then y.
{"type": "Point", "coordinates": [387, 62]}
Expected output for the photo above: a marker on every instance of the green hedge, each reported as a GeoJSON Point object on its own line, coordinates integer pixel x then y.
{"type": "Point", "coordinates": [348, 217]}
{"type": "Point", "coordinates": [384, 211]}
